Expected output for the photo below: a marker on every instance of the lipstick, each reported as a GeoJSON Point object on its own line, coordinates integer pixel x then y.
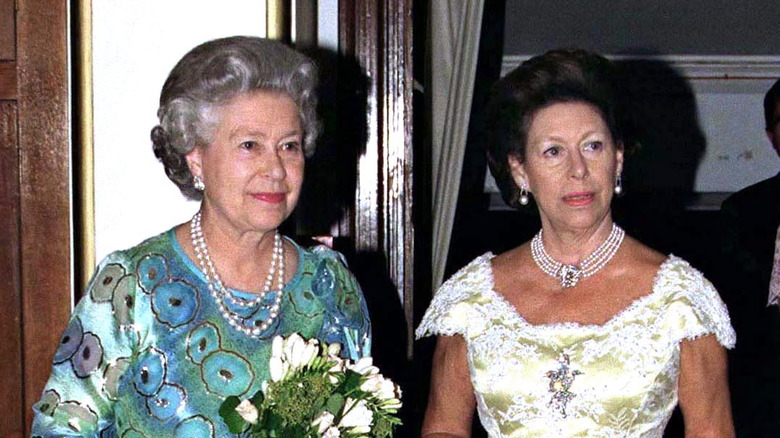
{"type": "Point", "coordinates": [578, 199]}
{"type": "Point", "coordinates": [271, 198]}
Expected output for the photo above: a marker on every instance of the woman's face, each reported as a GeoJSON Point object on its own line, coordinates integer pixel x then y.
{"type": "Point", "coordinates": [253, 167]}
{"type": "Point", "coordinates": [570, 166]}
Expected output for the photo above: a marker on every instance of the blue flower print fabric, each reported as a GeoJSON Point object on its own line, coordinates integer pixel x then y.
{"type": "Point", "coordinates": [148, 354]}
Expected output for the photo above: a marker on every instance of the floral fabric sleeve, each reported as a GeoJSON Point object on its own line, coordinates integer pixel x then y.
{"type": "Point", "coordinates": [347, 321]}
{"type": "Point", "coordinates": [94, 351]}
{"type": "Point", "coordinates": [695, 309]}
{"type": "Point", "coordinates": [450, 311]}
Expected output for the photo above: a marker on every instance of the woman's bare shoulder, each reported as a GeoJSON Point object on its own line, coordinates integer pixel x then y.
{"type": "Point", "coordinates": [514, 269]}
{"type": "Point", "coordinates": [640, 257]}
{"type": "Point", "coordinates": [510, 260]}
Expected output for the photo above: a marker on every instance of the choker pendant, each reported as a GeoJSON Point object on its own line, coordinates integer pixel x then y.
{"type": "Point", "coordinates": [569, 275]}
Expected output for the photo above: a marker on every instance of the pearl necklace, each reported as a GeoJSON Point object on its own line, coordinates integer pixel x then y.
{"type": "Point", "coordinates": [570, 275]}
{"type": "Point", "coordinates": [222, 295]}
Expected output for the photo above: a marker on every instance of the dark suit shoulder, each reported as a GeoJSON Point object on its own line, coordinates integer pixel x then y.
{"type": "Point", "coordinates": [764, 196]}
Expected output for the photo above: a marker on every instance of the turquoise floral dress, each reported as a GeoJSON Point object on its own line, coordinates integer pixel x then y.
{"type": "Point", "coordinates": [148, 354]}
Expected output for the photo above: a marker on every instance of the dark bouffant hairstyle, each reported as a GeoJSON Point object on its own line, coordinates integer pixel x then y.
{"type": "Point", "coordinates": [211, 75]}
{"type": "Point", "coordinates": [771, 99]}
{"type": "Point", "coordinates": [565, 75]}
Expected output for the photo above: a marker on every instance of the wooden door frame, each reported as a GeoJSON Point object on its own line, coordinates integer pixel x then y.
{"type": "Point", "coordinates": [36, 285]}
{"type": "Point", "coordinates": [45, 186]}
{"type": "Point", "coordinates": [378, 34]}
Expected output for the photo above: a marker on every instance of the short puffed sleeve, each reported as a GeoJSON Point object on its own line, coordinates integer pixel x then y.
{"type": "Point", "coordinates": [694, 308]}
{"type": "Point", "coordinates": [348, 323]}
{"type": "Point", "coordinates": [93, 353]}
{"type": "Point", "coordinates": [452, 310]}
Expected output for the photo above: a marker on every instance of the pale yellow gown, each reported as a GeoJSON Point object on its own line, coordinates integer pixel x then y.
{"type": "Point", "coordinates": [613, 380]}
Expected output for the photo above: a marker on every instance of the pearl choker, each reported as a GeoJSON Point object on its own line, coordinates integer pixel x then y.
{"type": "Point", "coordinates": [250, 326]}
{"type": "Point", "coordinates": [570, 275]}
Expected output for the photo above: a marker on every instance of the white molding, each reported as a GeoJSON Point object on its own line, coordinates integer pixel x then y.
{"type": "Point", "coordinates": [694, 66]}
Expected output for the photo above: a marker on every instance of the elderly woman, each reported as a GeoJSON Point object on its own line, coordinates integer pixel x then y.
{"type": "Point", "coordinates": [583, 331]}
{"type": "Point", "coordinates": [167, 329]}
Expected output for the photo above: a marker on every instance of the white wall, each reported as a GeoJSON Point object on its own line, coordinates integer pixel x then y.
{"type": "Point", "coordinates": [328, 24]}
{"type": "Point", "coordinates": [135, 44]}
{"type": "Point", "coordinates": [738, 153]}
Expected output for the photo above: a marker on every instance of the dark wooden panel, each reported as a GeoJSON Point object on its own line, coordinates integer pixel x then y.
{"type": "Point", "coordinates": [12, 419]}
{"type": "Point", "coordinates": [379, 36]}
{"type": "Point", "coordinates": [7, 30]}
{"type": "Point", "coordinates": [305, 24]}
{"type": "Point", "coordinates": [347, 26]}
{"type": "Point", "coordinates": [44, 186]}
{"type": "Point", "coordinates": [8, 85]}
{"type": "Point", "coordinates": [398, 156]}
{"type": "Point", "coordinates": [359, 38]}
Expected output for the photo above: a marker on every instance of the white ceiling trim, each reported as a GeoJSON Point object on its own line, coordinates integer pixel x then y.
{"type": "Point", "coordinates": [694, 66]}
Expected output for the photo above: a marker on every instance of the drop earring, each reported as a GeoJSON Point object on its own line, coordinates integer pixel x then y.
{"type": "Point", "coordinates": [198, 183]}
{"type": "Point", "coordinates": [523, 194]}
{"type": "Point", "coordinates": [618, 185]}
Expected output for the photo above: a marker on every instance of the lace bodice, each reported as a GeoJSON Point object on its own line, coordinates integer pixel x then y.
{"type": "Point", "coordinates": [618, 379]}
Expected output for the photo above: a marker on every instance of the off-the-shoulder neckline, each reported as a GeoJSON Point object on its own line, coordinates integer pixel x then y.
{"type": "Point", "coordinates": [484, 262]}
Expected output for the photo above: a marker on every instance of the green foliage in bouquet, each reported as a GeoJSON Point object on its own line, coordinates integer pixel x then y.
{"type": "Point", "coordinates": [313, 393]}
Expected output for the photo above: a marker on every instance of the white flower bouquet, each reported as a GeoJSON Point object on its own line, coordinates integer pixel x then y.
{"type": "Point", "coordinates": [314, 393]}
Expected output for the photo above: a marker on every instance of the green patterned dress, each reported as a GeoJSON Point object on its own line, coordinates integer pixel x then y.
{"type": "Point", "coordinates": [148, 354]}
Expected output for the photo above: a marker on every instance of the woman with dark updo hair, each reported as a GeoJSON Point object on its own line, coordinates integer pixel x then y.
{"type": "Point", "coordinates": [583, 331]}
{"type": "Point", "coordinates": [171, 327]}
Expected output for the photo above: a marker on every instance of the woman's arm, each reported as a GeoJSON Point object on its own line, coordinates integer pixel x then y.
{"type": "Point", "coordinates": [704, 389]}
{"type": "Point", "coordinates": [451, 401]}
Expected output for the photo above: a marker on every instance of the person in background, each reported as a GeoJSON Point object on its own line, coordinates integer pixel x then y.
{"type": "Point", "coordinates": [583, 331]}
{"type": "Point", "coordinates": [169, 328]}
{"type": "Point", "coordinates": [750, 250]}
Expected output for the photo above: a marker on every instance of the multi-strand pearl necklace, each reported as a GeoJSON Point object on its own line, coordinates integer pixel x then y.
{"type": "Point", "coordinates": [570, 275]}
{"type": "Point", "coordinates": [222, 294]}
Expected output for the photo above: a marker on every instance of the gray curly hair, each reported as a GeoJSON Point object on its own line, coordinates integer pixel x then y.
{"type": "Point", "coordinates": [214, 73]}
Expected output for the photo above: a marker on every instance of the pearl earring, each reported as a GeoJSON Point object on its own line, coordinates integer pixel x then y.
{"type": "Point", "coordinates": [619, 185]}
{"type": "Point", "coordinates": [198, 183]}
{"type": "Point", "coordinates": [523, 194]}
